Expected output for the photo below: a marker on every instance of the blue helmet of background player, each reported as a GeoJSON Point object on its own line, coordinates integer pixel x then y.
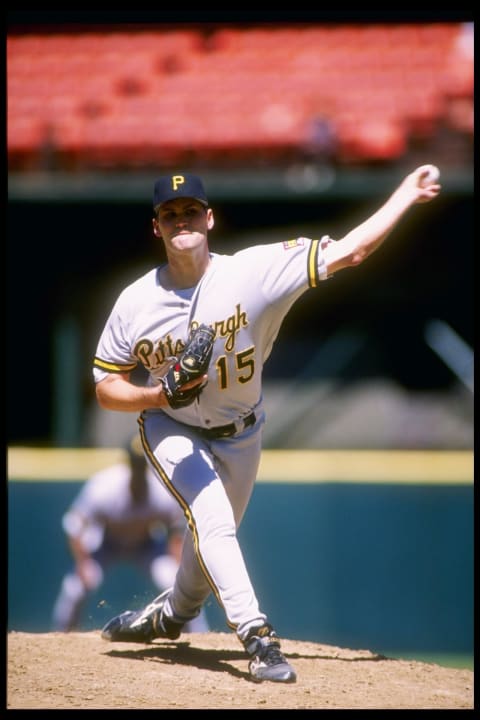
{"type": "Point", "coordinates": [138, 466]}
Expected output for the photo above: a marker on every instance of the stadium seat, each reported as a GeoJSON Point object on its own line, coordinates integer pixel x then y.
{"type": "Point", "coordinates": [130, 95]}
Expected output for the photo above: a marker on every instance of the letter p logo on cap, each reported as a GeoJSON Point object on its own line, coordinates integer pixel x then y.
{"type": "Point", "coordinates": [177, 180]}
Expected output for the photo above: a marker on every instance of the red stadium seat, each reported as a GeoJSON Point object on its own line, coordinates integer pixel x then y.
{"type": "Point", "coordinates": [128, 96]}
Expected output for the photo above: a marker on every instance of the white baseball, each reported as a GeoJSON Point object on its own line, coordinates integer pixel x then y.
{"type": "Point", "coordinates": [432, 175]}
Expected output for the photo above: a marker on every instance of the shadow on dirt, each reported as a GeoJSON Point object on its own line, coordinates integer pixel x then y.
{"type": "Point", "coordinates": [215, 660]}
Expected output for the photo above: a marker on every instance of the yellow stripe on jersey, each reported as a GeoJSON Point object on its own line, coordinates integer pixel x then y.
{"type": "Point", "coordinates": [313, 264]}
{"type": "Point", "coordinates": [113, 367]}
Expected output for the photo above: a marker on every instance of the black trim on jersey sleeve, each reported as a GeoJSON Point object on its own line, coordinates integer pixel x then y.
{"type": "Point", "coordinates": [312, 268]}
{"type": "Point", "coordinates": [113, 367]}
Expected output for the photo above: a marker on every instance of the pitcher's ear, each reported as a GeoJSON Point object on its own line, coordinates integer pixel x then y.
{"type": "Point", "coordinates": [156, 229]}
{"type": "Point", "coordinates": [210, 219]}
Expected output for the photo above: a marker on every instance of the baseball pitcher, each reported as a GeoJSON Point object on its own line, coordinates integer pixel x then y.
{"type": "Point", "coordinates": [203, 324]}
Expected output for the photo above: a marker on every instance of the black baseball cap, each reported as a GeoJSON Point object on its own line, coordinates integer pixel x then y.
{"type": "Point", "coordinates": [169, 187]}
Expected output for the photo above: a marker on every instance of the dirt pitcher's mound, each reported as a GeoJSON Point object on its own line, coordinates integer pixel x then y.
{"type": "Point", "coordinates": [209, 671]}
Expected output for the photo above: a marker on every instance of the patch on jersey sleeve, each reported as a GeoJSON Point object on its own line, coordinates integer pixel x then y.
{"type": "Point", "coordinates": [297, 242]}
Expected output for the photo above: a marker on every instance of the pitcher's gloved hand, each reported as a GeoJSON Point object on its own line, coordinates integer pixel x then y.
{"type": "Point", "coordinates": [190, 365]}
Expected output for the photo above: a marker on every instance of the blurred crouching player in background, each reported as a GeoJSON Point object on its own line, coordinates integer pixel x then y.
{"type": "Point", "coordinates": [122, 514]}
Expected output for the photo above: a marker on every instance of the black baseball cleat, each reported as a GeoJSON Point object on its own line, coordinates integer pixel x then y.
{"type": "Point", "coordinates": [267, 663]}
{"type": "Point", "coordinates": [143, 626]}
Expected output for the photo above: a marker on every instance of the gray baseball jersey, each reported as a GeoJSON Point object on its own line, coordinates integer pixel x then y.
{"type": "Point", "coordinates": [244, 297]}
{"type": "Point", "coordinates": [103, 510]}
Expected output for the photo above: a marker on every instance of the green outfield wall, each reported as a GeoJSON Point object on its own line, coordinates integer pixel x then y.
{"type": "Point", "coordinates": [360, 549]}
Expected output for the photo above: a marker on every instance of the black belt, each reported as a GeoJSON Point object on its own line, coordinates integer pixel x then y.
{"type": "Point", "coordinates": [225, 431]}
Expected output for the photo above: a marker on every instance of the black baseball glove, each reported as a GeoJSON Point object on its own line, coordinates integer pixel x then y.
{"type": "Point", "coordinates": [191, 364]}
